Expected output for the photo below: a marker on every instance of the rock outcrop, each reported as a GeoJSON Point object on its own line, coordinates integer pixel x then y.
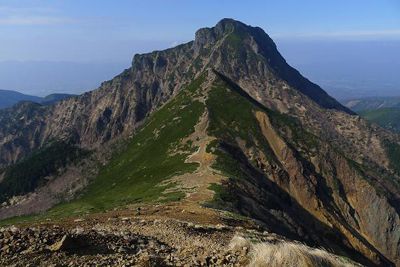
{"type": "Point", "coordinates": [305, 166]}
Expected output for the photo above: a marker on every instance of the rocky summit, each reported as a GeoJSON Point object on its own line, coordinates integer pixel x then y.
{"type": "Point", "coordinates": [212, 153]}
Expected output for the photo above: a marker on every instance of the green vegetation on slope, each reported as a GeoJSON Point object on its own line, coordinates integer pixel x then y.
{"type": "Point", "coordinates": [388, 118]}
{"type": "Point", "coordinates": [31, 172]}
{"type": "Point", "coordinates": [235, 40]}
{"type": "Point", "coordinates": [222, 196]}
{"type": "Point", "coordinates": [134, 175]}
{"type": "Point", "coordinates": [393, 151]}
{"type": "Point", "coordinates": [232, 119]}
{"type": "Point", "coordinates": [153, 155]}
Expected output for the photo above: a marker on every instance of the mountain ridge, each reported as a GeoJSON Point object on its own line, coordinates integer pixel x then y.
{"type": "Point", "coordinates": [371, 103]}
{"type": "Point", "coordinates": [292, 163]}
{"type": "Point", "coordinates": [8, 98]}
{"type": "Point", "coordinates": [384, 111]}
{"type": "Point", "coordinates": [388, 118]}
{"type": "Point", "coordinates": [153, 93]}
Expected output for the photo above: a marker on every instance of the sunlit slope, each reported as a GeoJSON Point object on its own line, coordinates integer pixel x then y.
{"type": "Point", "coordinates": [153, 155]}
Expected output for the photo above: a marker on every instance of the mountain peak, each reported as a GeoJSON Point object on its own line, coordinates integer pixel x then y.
{"type": "Point", "coordinates": [234, 42]}
{"type": "Point", "coordinates": [228, 23]}
{"type": "Point", "coordinates": [209, 36]}
{"type": "Point", "coordinates": [252, 137]}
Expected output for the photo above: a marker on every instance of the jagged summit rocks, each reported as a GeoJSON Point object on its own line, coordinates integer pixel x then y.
{"type": "Point", "coordinates": [231, 47]}
{"type": "Point", "coordinates": [254, 42]}
{"type": "Point", "coordinates": [214, 129]}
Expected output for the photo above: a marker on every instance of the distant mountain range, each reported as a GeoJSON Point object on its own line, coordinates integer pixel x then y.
{"type": "Point", "coordinates": [9, 98]}
{"type": "Point", "coordinates": [388, 118]}
{"type": "Point", "coordinates": [371, 103]}
{"type": "Point", "coordinates": [384, 111]}
{"type": "Point", "coordinates": [219, 130]}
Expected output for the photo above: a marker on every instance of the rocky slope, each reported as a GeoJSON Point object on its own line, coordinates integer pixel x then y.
{"type": "Point", "coordinates": [118, 105]}
{"type": "Point", "coordinates": [223, 123]}
{"type": "Point", "coordinates": [142, 240]}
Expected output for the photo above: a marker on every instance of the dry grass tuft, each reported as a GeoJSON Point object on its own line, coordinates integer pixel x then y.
{"type": "Point", "coordinates": [287, 254]}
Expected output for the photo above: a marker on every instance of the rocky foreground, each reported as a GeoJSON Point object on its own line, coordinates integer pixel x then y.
{"type": "Point", "coordinates": [221, 122]}
{"type": "Point", "coordinates": [144, 241]}
{"type": "Point", "coordinates": [121, 242]}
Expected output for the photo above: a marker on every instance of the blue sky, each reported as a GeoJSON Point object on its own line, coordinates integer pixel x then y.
{"type": "Point", "coordinates": [349, 47]}
{"type": "Point", "coordinates": [100, 30]}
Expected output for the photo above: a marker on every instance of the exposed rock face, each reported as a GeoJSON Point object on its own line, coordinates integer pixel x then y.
{"type": "Point", "coordinates": [337, 194]}
{"type": "Point", "coordinates": [96, 117]}
{"type": "Point", "coordinates": [338, 189]}
{"type": "Point", "coordinates": [238, 51]}
{"type": "Point", "coordinates": [305, 188]}
{"type": "Point", "coordinates": [251, 45]}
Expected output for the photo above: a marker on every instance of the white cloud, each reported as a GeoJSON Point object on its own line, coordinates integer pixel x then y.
{"type": "Point", "coordinates": [342, 35]}
{"type": "Point", "coordinates": [34, 20]}
{"type": "Point", "coordinates": [11, 15]}
{"type": "Point", "coordinates": [26, 10]}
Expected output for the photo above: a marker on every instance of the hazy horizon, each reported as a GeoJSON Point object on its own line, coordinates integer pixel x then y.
{"type": "Point", "coordinates": [348, 48]}
{"type": "Point", "coordinates": [349, 69]}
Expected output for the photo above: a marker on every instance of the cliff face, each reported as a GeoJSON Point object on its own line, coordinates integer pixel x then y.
{"type": "Point", "coordinates": [312, 170]}
{"type": "Point", "coordinates": [234, 49]}
{"type": "Point", "coordinates": [96, 117]}
{"type": "Point", "coordinates": [301, 185]}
